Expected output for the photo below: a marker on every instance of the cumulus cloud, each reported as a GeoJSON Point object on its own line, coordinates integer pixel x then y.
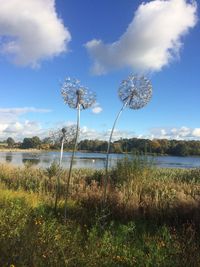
{"type": "Point", "coordinates": [12, 125]}
{"type": "Point", "coordinates": [21, 129]}
{"type": "Point", "coordinates": [182, 133]}
{"type": "Point", "coordinates": [196, 132]}
{"type": "Point", "coordinates": [19, 111]}
{"type": "Point", "coordinates": [26, 128]}
{"type": "Point", "coordinates": [87, 133]}
{"type": "Point", "coordinates": [96, 109]}
{"type": "Point", "coordinates": [31, 31]}
{"type": "Point", "coordinates": [10, 115]}
{"type": "Point", "coordinates": [151, 41]}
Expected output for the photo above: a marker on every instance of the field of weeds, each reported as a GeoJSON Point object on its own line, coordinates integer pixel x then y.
{"type": "Point", "coordinates": [150, 217]}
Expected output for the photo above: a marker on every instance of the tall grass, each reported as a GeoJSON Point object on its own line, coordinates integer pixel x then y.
{"type": "Point", "coordinates": [151, 218]}
{"type": "Point", "coordinates": [136, 189]}
{"type": "Point", "coordinates": [31, 235]}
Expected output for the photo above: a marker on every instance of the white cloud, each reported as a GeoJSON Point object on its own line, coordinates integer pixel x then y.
{"type": "Point", "coordinates": [96, 109]}
{"type": "Point", "coordinates": [182, 133]}
{"type": "Point", "coordinates": [10, 115]}
{"type": "Point", "coordinates": [21, 129]}
{"type": "Point", "coordinates": [12, 125]}
{"type": "Point", "coordinates": [26, 128]}
{"type": "Point", "coordinates": [31, 31]}
{"type": "Point", "coordinates": [152, 40]}
{"type": "Point", "coordinates": [87, 133]}
{"type": "Point", "coordinates": [196, 132]}
{"type": "Point", "coordinates": [19, 111]}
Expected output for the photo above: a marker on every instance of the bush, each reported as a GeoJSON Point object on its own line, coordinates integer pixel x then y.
{"type": "Point", "coordinates": [130, 168]}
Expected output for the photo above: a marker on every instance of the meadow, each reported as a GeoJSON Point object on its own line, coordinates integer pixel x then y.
{"type": "Point", "coordinates": [150, 217]}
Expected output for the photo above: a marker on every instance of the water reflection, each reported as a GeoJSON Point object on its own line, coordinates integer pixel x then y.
{"type": "Point", "coordinates": [90, 160]}
{"type": "Point", "coordinates": [89, 163]}
{"type": "Point", "coordinates": [46, 160]}
{"type": "Point", "coordinates": [8, 157]}
{"type": "Point", "coordinates": [30, 159]}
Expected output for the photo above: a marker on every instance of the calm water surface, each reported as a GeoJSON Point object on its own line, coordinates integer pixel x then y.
{"type": "Point", "coordinates": [91, 160]}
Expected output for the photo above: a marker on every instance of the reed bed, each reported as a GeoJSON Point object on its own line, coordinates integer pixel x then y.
{"type": "Point", "coordinates": [151, 217]}
{"type": "Point", "coordinates": [135, 189]}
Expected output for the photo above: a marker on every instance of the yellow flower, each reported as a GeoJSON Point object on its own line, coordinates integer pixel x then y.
{"type": "Point", "coordinates": [161, 244]}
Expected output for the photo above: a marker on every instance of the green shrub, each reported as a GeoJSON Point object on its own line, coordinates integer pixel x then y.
{"type": "Point", "coordinates": [130, 168]}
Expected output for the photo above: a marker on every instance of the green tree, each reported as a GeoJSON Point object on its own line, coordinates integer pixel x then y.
{"type": "Point", "coordinates": [27, 143]}
{"type": "Point", "coordinates": [181, 149]}
{"type": "Point", "coordinates": [10, 141]}
{"type": "Point", "coordinates": [33, 142]}
{"type": "Point", "coordinates": [36, 141]}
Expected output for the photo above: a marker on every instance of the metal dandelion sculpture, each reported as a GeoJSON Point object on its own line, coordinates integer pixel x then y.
{"type": "Point", "coordinates": [135, 93]}
{"type": "Point", "coordinates": [78, 97]}
{"type": "Point", "coordinates": [61, 136]}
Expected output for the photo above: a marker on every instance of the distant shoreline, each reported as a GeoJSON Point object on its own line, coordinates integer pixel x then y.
{"type": "Point", "coordinates": [35, 150]}
{"type": "Point", "coordinates": [20, 150]}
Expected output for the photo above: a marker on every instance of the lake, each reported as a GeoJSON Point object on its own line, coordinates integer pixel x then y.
{"type": "Point", "coordinates": [91, 160]}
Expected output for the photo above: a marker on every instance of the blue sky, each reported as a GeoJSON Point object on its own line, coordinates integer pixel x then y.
{"type": "Point", "coordinates": [100, 43]}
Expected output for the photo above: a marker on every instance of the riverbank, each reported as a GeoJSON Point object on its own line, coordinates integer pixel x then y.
{"type": "Point", "coordinates": [151, 217]}
{"type": "Point", "coordinates": [31, 150]}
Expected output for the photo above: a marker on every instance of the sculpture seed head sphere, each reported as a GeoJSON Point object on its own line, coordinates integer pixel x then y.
{"type": "Point", "coordinates": [136, 91]}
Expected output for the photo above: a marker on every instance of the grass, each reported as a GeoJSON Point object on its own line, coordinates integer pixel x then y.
{"type": "Point", "coordinates": [151, 217]}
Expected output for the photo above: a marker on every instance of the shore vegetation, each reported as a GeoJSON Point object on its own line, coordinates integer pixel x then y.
{"type": "Point", "coordinates": [151, 217]}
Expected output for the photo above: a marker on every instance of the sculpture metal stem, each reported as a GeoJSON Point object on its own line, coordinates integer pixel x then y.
{"type": "Point", "coordinates": [108, 150]}
{"type": "Point", "coordinates": [72, 158]}
{"type": "Point", "coordinates": [61, 151]}
{"type": "Point", "coordinates": [58, 174]}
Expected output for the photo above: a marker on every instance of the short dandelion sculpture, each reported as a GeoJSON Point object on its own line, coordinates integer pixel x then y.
{"type": "Point", "coordinates": [78, 97]}
{"type": "Point", "coordinates": [135, 93]}
{"type": "Point", "coordinates": [64, 135]}
{"type": "Point", "coordinates": [61, 136]}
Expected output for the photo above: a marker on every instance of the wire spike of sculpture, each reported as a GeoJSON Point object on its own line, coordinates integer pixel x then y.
{"type": "Point", "coordinates": [78, 97]}
{"type": "Point", "coordinates": [135, 93]}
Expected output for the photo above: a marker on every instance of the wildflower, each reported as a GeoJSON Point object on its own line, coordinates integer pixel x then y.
{"type": "Point", "coordinates": [162, 244]}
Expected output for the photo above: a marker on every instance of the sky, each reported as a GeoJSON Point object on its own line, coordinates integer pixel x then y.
{"type": "Point", "coordinates": [100, 43]}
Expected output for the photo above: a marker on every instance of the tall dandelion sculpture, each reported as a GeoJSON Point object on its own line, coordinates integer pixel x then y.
{"type": "Point", "coordinates": [78, 97]}
{"type": "Point", "coordinates": [135, 93]}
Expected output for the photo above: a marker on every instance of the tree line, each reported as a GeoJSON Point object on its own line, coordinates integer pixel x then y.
{"type": "Point", "coordinates": [132, 145]}
{"type": "Point", "coordinates": [145, 146]}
